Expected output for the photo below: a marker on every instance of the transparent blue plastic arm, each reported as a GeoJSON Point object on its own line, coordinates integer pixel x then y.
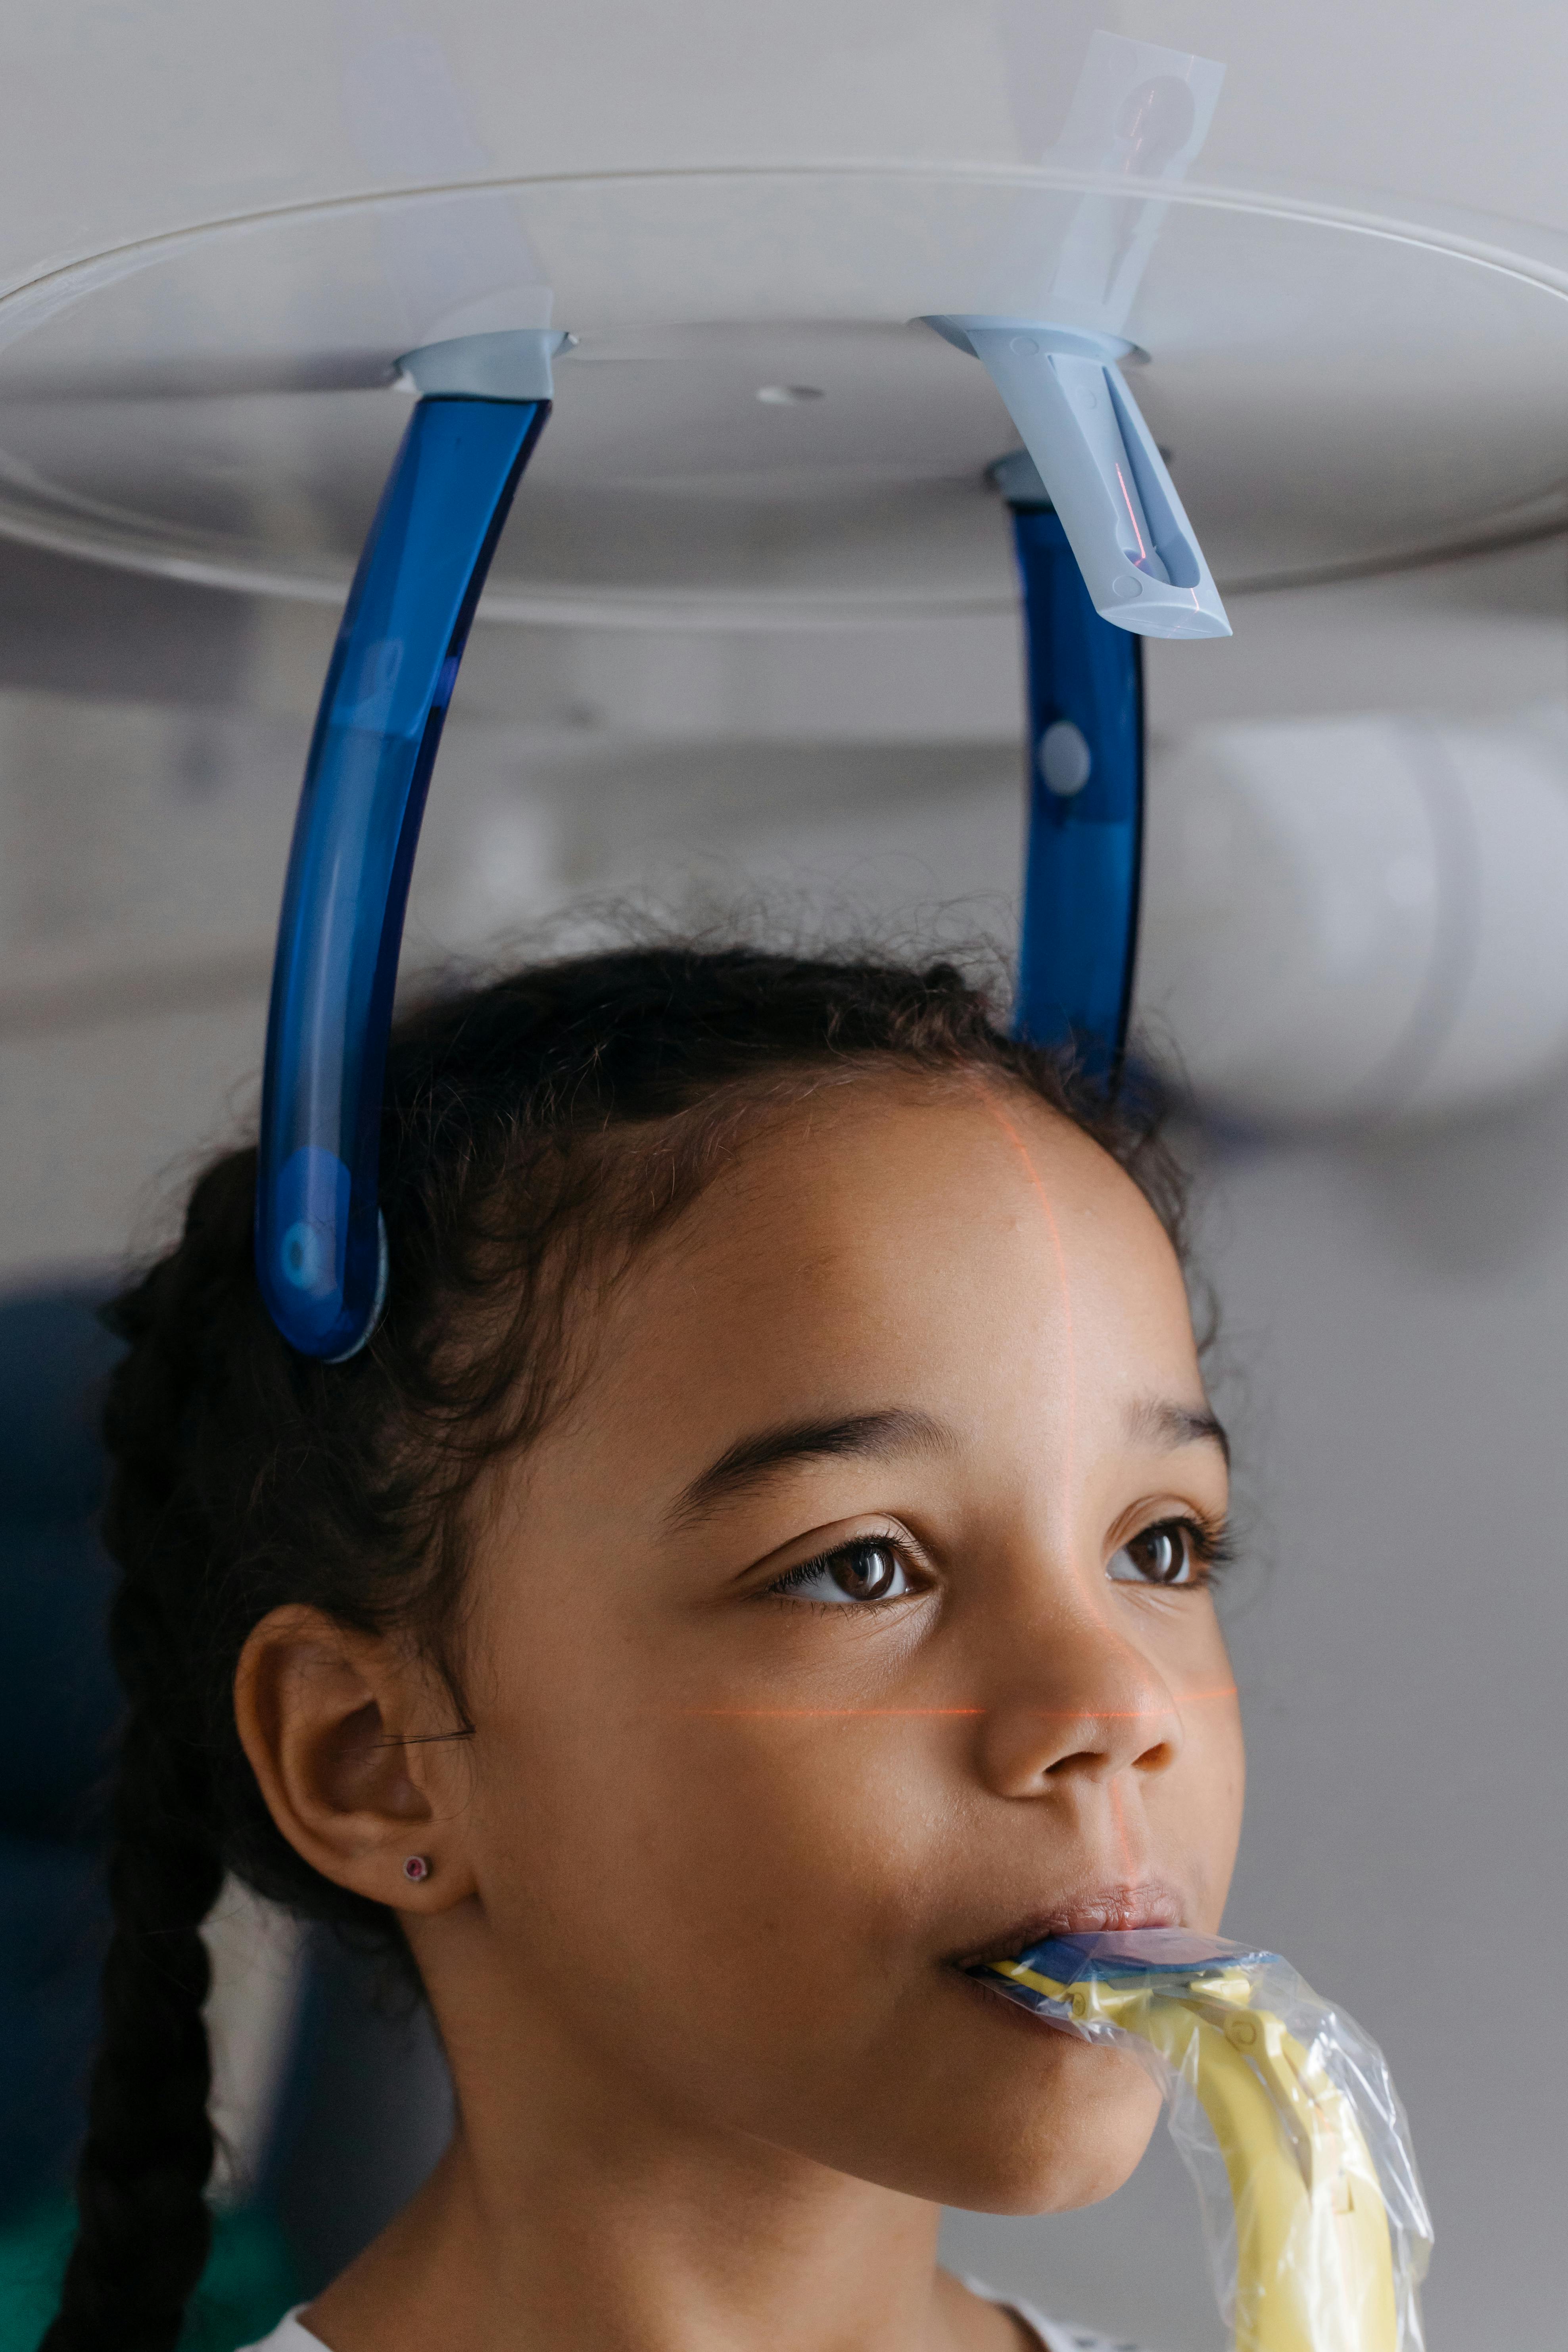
{"type": "Point", "coordinates": [320, 1248]}
{"type": "Point", "coordinates": [1086, 807]}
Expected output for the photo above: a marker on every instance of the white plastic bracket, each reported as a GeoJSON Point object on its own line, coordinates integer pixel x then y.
{"type": "Point", "coordinates": [511, 366]}
{"type": "Point", "coordinates": [1139, 555]}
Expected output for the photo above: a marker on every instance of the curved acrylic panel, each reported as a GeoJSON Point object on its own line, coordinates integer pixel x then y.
{"type": "Point", "coordinates": [318, 1243]}
{"type": "Point", "coordinates": [1086, 807]}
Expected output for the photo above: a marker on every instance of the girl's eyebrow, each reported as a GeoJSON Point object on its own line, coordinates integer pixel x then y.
{"type": "Point", "coordinates": [1157, 1422]}
{"type": "Point", "coordinates": [898, 1429]}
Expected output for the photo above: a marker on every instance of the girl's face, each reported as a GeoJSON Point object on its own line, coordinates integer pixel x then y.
{"type": "Point", "coordinates": [851, 1624]}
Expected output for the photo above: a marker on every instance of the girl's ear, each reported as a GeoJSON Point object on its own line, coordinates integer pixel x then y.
{"type": "Point", "coordinates": [337, 1728]}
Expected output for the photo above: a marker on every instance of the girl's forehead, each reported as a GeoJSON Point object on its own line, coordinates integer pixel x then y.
{"type": "Point", "coordinates": [905, 1226]}
{"type": "Point", "coordinates": [922, 1170]}
{"type": "Point", "coordinates": [998, 1291]}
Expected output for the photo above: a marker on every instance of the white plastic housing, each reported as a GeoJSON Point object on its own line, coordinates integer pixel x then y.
{"type": "Point", "coordinates": [1139, 554]}
{"type": "Point", "coordinates": [1358, 921]}
{"type": "Point", "coordinates": [510, 365]}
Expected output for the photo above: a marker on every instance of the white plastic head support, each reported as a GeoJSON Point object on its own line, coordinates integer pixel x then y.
{"type": "Point", "coordinates": [1139, 555]}
{"type": "Point", "coordinates": [514, 366]}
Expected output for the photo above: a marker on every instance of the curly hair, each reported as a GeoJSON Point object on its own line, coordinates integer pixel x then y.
{"type": "Point", "coordinates": [532, 1129]}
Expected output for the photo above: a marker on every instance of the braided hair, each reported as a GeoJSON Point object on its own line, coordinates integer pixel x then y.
{"type": "Point", "coordinates": [529, 1127]}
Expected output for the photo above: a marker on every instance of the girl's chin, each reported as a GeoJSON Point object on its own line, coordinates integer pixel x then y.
{"type": "Point", "coordinates": [1063, 2123]}
{"type": "Point", "coordinates": [991, 2163]}
{"type": "Point", "coordinates": [1019, 2162]}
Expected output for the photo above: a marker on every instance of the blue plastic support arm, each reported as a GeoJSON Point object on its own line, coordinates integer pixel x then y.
{"type": "Point", "coordinates": [1085, 805]}
{"type": "Point", "coordinates": [1102, 472]}
{"type": "Point", "coordinates": [320, 1249]}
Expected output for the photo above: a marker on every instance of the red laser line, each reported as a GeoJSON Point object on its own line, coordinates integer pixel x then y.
{"type": "Point", "coordinates": [1021, 1148]}
{"type": "Point", "coordinates": [1131, 512]}
{"type": "Point", "coordinates": [1119, 1817]}
{"type": "Point", "coordinates": [820, 1714]}
{"type": "Point", "coordinates": [1097, 1601]}
{"type": "Point", "coordinates": [1051, 1714]}
{"type": "Point", "coordinates": [1133, 1714]}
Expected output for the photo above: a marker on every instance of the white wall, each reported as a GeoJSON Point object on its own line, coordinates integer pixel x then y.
{"type": "Point", "coordinates": [1396, 1315]}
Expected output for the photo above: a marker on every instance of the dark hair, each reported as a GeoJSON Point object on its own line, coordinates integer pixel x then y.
{"type": "Point", "coordinates": [533, 1130]}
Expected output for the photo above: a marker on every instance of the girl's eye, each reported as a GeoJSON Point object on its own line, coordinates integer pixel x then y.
{"type": "Point", "coordinates": [871, 1569]}
{"type": "Point", "coordinates": [1171, 1552]}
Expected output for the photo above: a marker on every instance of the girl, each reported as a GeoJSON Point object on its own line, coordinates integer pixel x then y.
{"type": "Point", "coordinates": [761, 1564]}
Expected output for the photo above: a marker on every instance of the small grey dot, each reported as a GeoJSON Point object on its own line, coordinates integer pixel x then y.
{"type": "Point", "coordinates": [1067, 763]}
{"type": "Point", "coordinates": [789, 395]}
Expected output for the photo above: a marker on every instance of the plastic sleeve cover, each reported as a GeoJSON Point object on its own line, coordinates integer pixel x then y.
{"type": "Point", "coordinates": [1285, 2115]}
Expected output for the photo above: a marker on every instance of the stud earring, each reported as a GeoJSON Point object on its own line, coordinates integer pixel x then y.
{"type": "Point", "coordinates": [416, 1868]}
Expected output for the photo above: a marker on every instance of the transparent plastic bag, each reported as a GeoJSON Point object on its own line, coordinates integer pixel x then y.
{"type": "Point", "coordinates": [1284, 2115]}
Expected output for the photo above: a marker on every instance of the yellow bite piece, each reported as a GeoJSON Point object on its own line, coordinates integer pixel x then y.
{"type": "Point", "coordinates": [1314, 2252]}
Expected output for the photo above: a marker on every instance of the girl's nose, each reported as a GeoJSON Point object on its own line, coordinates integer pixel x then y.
{"type": "Point", "coordinates": [1078, 1704]}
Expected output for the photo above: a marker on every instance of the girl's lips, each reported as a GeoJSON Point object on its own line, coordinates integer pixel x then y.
{"type": "Point", "coordinates": [1108, 1910]}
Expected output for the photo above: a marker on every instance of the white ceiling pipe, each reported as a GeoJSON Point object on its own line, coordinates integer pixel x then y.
{"type": "Point", "coordinates": [1359, 921]}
